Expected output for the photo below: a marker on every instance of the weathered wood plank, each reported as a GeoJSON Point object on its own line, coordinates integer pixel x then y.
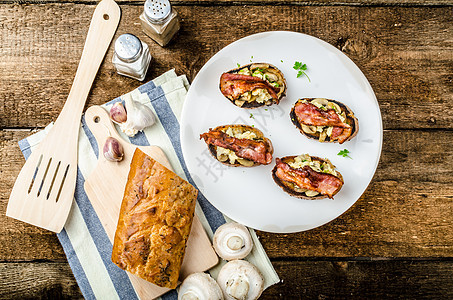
{"type": "Point", "coordinates": [44, 280]}
{"type": "Point", "coordinates": [301, 279]}
{"type": "Point", "coordinates": [404, 3]}
{"type": "Point", "coordinates": [363, 280]}
{"type": "Point", "coordinates": [406, 53]}
{"type": "Point", "coordinates": [406, 210]}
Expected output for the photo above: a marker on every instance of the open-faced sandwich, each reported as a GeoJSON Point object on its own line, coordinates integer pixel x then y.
{"type": "Point", "coordinates": [307, 177]}
{"type": "Point", "coordinates": [253, 85]}
{"type": "Point", "coordinates": [239, 145]}
{"type": "Point", "coordinates": [324, 120]}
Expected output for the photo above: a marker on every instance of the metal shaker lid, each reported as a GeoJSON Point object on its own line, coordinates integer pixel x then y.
{"type": "Point", "coordinates": [157, 10]}
{"type": "Point", "coordinates": [128, 47]}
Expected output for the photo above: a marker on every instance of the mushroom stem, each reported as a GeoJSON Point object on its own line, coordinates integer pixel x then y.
{"type": "Point", "coordinates": [237, 287]}
{"type": "Point", "coordinates": [235, 242]}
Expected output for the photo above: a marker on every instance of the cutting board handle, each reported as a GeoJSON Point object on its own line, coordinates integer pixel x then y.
{"type": "Point", "coordinates": [98, 120]}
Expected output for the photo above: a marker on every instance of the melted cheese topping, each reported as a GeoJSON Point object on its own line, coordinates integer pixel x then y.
{"type": "Point", "coordinates": [305, 160]}
{"type": "Point", "coordinates": [262, 95]}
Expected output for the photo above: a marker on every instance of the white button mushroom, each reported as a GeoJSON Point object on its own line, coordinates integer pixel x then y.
{"type": "Point", "coordinates": [232, 241]}
{"type": "Point", "coordinates": [199, 286]}
{"type": "Point", "coordinates": [240, 280]}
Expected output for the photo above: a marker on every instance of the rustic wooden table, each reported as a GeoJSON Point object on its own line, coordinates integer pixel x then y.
{"type": "Point", "coordinates": [396, 241]}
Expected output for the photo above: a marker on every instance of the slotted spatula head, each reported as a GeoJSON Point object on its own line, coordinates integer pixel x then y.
{"type": "Point", "coordinates": [43, 192]}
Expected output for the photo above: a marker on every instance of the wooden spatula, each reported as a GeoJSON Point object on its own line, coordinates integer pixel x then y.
{"type": "Point", "coordinates": [43, 192]}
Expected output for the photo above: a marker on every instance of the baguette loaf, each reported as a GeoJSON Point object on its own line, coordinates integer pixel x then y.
{"type": "Point", "coordinates": [154, 222]}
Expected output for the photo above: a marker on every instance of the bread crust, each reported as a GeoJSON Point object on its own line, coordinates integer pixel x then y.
{"type": "Point", "coordinates": [291, 191]}
{"type": "Point", "coordinates": [254, 104]}
{"type": "Point", "coordinates": [351, 119]}
{"type": "Point", "coordinates": [154, 222]}
{"type": "Point", "coordinates": [259, 134]}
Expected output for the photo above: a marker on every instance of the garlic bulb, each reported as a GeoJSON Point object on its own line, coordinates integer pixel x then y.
{"type": "Point", "coordinates": [139, 116]}
{"type": "Point", "coordinates": [118, 113]}
{"type": "Point", "coordinates": [113, 151]}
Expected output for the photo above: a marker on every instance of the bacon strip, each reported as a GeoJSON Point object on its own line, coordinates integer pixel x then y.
{"type": "Point", "coordinates": [309, 114]}
{"type": "Point", "coordinates": [307, 178]}
{"type": "Point", "coordinates": [235, 85]}
{"type": "Point", "coordinates": [257, 151]}
{"type": "Point", "coordinates": [341, 134]}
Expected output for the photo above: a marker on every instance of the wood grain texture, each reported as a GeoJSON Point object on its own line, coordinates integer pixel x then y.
{"type": "Point", "coordinates": [405, 3]}
{"type": "Point", "coordinates": [406, 53]}
{"type": "Point", "coordinates": [406, 210]}
{"type": "Point", "coordinates": [363, 280]}
{"type": "Point", "coordinates": [38, 281]}
{"type": "Point", "coordinates": [332, 279]}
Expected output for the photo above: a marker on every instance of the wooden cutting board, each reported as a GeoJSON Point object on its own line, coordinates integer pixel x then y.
{"type": "Point", "coordinates": [105, 187]}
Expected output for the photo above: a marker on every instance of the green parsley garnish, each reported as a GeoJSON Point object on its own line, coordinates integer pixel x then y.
{"type": "Point", "coordinates": [301, 68]}
{"type": "Point", "coordinates": [344, 153]}
{"type": "Point", "coordinates": [238, 65]}
{"type": "Point", "coordinates": [281, 60]}
{"type": "Point", "coordinates": [251, 116]}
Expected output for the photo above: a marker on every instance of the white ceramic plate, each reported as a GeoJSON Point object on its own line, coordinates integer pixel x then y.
{"type": "Point", "coordinates": [249, 195]}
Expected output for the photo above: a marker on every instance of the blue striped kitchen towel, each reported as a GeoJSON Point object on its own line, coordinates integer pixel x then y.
{"type": "Point", "coordinates": [83, 238]}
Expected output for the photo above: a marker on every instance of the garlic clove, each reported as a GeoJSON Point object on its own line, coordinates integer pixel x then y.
{"type": "Point", "coordinates": [113, 151]}
{"type": "Point", "coordinates": [139, 116]}
{"type": "Point", "coordinates": [118, 113]}
{"type": "Point", "coordinates": [128, 130]}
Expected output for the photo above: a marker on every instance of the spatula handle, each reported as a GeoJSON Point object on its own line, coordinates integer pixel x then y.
{"type": "Point", "coordinates": [102, 28]}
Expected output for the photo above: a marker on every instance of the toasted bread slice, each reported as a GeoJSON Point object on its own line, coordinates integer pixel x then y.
{"type": "Point", "coordinates": [317, 164]}
{"type": "Point", "coordinates": [324, 133]}
{"type": "Point", "coordinates": [253, 85]}
{"type": "Point", "coordinates": [229, 157]}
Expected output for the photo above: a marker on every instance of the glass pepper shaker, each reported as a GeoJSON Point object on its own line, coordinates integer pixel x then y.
{"type": "Point", "coordinates": [131, 57]}
{"type": "Point", "coordinates": [159, 21]}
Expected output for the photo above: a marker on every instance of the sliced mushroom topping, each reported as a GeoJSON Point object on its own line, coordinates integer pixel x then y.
{"type": "Point", "coordinates": [232, 241]}
{"type": "Point", "coordinates": [245, 162]}
{"type": "Point", "coordinates": [259, 66]}
{"type": "Point", "coordinates": [308, 129]}
{"type": "Point", "coordinates": [271, 76]}
{"type": "Point", "coordinates": [199, 286]}
{"type": "Point", "coordinates": [240, 280]}
{"type": "Point", "coordinates": [320, 101]}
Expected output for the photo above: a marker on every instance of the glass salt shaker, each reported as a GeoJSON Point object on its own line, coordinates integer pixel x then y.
{"type": "Point", "coordinates": [131, 57]}
{"type": "Point", "coordinates": [159, 21]}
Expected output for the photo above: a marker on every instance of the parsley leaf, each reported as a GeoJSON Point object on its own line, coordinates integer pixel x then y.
{"type": "Point", "coordinates": [301, 68]}
{"type": "Point", "coordinates": [238, 65]}
{"type": "Point", "coordinates": [251, 116]}
{"type": "Point", "coordinates": [344, 153]}
{"type": "Point", "coordinates": [297, 65]}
